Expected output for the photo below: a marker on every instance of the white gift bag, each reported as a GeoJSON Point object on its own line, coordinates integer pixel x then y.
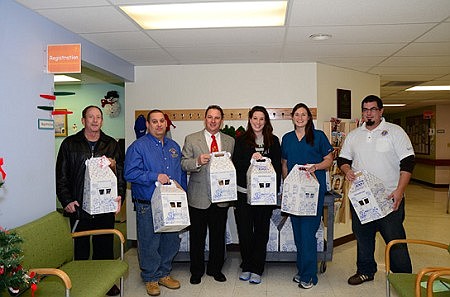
{"type": "Point", "coordinates": [300, 192]}
{"type": "Point", "coordinates": [320, 235]}
{"type": "Point", "coordinates": [169, 208]}
{"type": "Point", "coordinates": [287, 242]}
{"type": "Point", "coordinates": [274, 232]}
{"type": "Point", "coordinates": [261, 182]}
{"type": "Point", "coordinates": [100, 187]}
{"type": "Point", "coordinates": [369, 197]}
{"type": "Point", "coordinates": [222, 178]}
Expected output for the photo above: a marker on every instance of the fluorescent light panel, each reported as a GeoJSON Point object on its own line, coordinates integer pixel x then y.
{"type": "Point", "coordinates": [394, 105]}
{"type": "Point", "coordinates": [64, 78]}
{"type": "Point", "coordinates": [429, 88]}
{"type": "Point", "coordinates": [208, 14]}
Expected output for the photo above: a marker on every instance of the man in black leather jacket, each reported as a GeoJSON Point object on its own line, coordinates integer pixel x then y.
{"type": "Point", "coordinates": [70, 170]}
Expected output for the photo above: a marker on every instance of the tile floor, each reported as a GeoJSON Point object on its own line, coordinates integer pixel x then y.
{"type": "Point", "coordinates": [426, 218]}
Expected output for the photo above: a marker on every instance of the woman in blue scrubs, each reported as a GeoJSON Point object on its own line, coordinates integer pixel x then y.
{"type": "Point", "coordinates": [306, 146]}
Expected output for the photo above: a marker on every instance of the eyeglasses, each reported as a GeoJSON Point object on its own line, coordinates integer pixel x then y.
{"type": "Point", "coordinates": [373, 109]}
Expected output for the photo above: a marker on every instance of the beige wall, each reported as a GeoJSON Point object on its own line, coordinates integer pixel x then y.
{"type": "Point", "coordinates": [442, 126]}
{"type": "Point", "coordinates": [228, 85]}
{"type": "Point", "coordinates": [330, 78]}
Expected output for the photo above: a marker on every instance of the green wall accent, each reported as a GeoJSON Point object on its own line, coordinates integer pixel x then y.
{"type": "Point", "coordinates": [85, 95]}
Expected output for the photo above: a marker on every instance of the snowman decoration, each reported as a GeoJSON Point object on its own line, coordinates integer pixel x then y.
{"type": "Point", "coordinates": [111, 104]}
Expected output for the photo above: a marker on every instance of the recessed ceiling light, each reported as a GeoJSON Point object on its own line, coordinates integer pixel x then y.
{"type": "Point", "coordinates": [320, 36]}
{"type": "Point", "coordinates": [64, 78]}
{"type": "Point", "coordinates": [208, 14]}
{"type": "Point", "coordinates": [429, 88]}
{"type": "Point", "coordinates": [394, 105]}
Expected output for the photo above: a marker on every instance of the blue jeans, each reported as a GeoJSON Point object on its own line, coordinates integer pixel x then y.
{"type": "Point", "coordinates": [155, 250]}
{"type": "Point", "coordinates": [390, 227]}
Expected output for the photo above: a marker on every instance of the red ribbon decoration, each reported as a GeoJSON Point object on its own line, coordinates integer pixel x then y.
{"type": "Point", "coordinates": [2, 172]}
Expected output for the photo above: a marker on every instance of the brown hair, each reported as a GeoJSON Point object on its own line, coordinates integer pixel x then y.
{"type": "Point", "coordinates": [309, 128]}
{"type": "Point", "coordinates": [83, 113]}
{"type": "Point", "coordinates": [249, 134]}
{"type": "Point", "coordinates": [215, 107]}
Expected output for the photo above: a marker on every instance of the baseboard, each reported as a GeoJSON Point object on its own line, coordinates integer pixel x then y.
{"type": "Point", "coordinates": [344, 239]}
{"type": "Point", "coordinates": [429, 184]}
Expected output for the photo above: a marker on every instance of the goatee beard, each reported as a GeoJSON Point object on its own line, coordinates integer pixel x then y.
{"type": "Point", "coordinates": [370, 123]}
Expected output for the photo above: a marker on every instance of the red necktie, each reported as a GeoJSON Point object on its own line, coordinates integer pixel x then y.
{"type": "Point", "coordinates": [214, 146]}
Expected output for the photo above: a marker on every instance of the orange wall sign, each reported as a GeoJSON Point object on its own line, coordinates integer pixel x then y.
{"type": "Point", "coordinates": [64, 58]}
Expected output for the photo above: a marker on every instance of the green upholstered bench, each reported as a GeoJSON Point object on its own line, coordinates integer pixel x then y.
{"type": "Point", "coordinates": [48, 250]}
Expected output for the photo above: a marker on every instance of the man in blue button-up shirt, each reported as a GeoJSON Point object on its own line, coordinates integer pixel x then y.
{"type": "Point", "coordinates": [151, 158]}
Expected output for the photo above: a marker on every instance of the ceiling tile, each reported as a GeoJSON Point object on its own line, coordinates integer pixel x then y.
{"type": "Point", "coordinates": [90, 20]}
{"type": "Point", "coordinates": [350, 12]}
{"type": "Point", "coordinates": [224, 36]}
{"type": "Point", "coordinates": [44, 4]}
{"type": "Point", "coordinates": [426, 49]}
{"type": "Point", "coordinates": [145, 56]}
{"type": "Point", "coordinates": [416, 61]}
{"type": "Point", "coordinates": [439, 33]}
{"type": "Point", "coordinates": [235, 54]}
{"type": "Point", "coordinates": [433, 70]}
{"type": "Point", "coordinates": [316, 51]}
{"type": "Point", "coordinates": [121, 40]}
{"type": "Point", "coordinates": [360, 34]}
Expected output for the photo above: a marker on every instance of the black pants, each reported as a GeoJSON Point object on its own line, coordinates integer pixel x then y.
{"type": "Point", "coordinates": [390, 228]}
{"type": "Point", "coordinates": [253, 223]}
{"type": "Point", "coordinates": [102, 245]}
{"type": "Point", "coordinates": [214, 218]}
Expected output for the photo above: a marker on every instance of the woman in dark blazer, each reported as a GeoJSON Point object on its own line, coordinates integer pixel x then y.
{"type": "Point", "coordinates": [253, 221]}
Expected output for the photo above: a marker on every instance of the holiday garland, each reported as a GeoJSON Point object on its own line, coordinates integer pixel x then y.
{"type": "Point", "coordinates": [230, 130]}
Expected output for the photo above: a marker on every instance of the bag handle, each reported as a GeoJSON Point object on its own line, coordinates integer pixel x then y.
{"type": "Point", "coordinates": [171, 184]}
{"type": "Point", "coordinates": [220, 154]}
{"type": "Point", "coordinates": [262, 161]}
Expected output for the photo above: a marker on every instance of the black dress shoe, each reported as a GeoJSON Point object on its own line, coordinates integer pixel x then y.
{"type": "Point", "coordinates": [195, 280]}
{"type": "Point", "coordinates": [114, 291]}
{"type": "Point", "coordinates": [219, 276]}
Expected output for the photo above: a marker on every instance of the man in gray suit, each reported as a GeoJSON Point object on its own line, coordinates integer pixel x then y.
{"type": "Point", "coordinates": [204, 214]}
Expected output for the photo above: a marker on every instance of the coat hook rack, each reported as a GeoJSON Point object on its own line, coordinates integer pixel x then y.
{"type": "Point", "coordinates": [229, 114]}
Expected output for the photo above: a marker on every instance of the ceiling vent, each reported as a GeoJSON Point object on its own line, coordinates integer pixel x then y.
{"type": "Point", "coordinates": [402, 83]}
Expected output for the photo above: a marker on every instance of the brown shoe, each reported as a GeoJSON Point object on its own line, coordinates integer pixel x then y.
{"type": "Point", "coordinates": [152, 288]}
{"type": "Point", "coordinates": [169, 282]}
